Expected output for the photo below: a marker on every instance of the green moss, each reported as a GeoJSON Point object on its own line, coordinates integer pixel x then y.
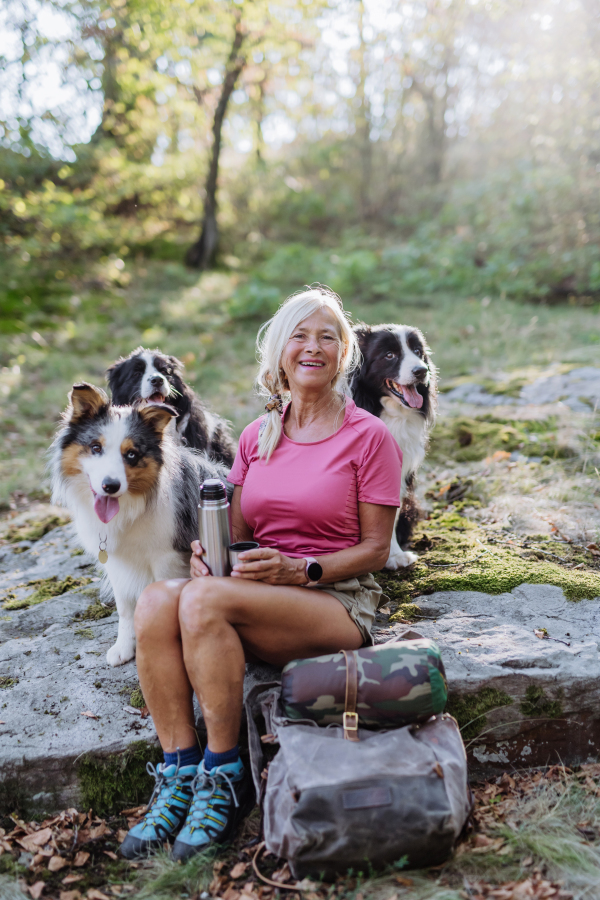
{"type": "Point", "coordinates": [470, 709]}
{"type": "Point", "coordinates": [406, 612]}
{"type": "Point", "coordinates": [110, 783]}
{"type": "Point", "coordinates": [46, 588]}
{"type": "Point", "coordinates": [96, 611]}
{"type": "Point", "coordinates": [465, 439]}
{"type": "Point", "coordinates": [78, 551]}
{"type": "Point", "coordinates": [84, 632]}
{"type": "Point", "coordinates": [460, 556]}
{"type": "Point", "coordinates": [136, 698]}
{"type": "Point", "coordinates": [7, 681]}
{"type": "Point", "coordinates": [537, 704]}
{"type": "Point", "coordinates": [34, 530]}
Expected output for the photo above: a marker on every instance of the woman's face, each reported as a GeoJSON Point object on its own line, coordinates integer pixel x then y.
{"type": "Point", "coordinates": [311, 358]}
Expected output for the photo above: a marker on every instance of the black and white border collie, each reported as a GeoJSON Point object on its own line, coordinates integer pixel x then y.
{"type": "Point", "coordinates": [133, 490]}
{"type": "Point", "coordinates": [150, 375]}
{"type": "Point", "coordinates": [398, 382]}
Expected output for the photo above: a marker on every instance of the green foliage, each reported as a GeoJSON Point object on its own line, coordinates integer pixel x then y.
{"type": "Point", "coordinates": [110, 783]}
{"type": "Point", "coordinates": [45, 589]}
{"type": "Point", "coordinates": [33, 530]}
{"type": "Point", "coordinates": [536, 704]}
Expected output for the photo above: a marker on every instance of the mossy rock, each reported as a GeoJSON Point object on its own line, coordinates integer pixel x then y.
{"type": "Point", "coordinates": [34, 530]}
{"type": "Point", "coordinates": [108, 784]}
{"type": "Point", "coordinates": [536, 704]}
{"type": "Point", "coordinates": [470, 710]}
{"type": "Point", "coordinates": [45, 589]}
{"type": "Point", "coordinates": [461, 556]}
{"type": "Point", "coordinates": [465, 439]}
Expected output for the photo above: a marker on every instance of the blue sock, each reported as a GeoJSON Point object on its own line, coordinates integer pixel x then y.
{"type": "Point", "coordinates": [191, 756]}
{"type": "Point", "coordinates": [219, 759]}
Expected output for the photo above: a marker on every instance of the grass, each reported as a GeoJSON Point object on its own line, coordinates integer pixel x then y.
{"type": "Point", "coordinates": [186, 314]}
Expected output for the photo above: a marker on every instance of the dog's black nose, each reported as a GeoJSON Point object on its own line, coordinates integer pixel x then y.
{"type": "Point", "coordinates": [110, 485]}
{"type": "Point", "coordinates": [419, 371]}
{"type": "Point", "coordinates": [156, 381]}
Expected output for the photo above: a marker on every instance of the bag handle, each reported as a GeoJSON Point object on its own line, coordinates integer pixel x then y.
{"type": "Point", "coordinates": [350, 718]}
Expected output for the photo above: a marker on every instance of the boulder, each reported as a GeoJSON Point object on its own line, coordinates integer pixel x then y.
{"type": "Point", "coordinates": [523, 671]}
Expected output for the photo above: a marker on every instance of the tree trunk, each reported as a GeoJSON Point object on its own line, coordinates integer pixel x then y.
{"type": "Point", "coordinates": [363, 121]}
{"type": "Point", "coordinates": [202, 253]}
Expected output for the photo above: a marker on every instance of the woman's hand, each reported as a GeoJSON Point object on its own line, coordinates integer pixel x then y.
{"type": "Point", "coordinates": [271, 566]}
{"type": "Point", "coordinates": [198, 567]}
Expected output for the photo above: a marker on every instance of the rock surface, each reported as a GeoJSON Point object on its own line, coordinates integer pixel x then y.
{"type": "Point", "coordinates": [59, 699]}
{"type": "Point", "coordinates": [61, 702]}
{"type": "Point", "coordinates": [551, 684]}
{"type": "Point", "coordinates": [578, 389]}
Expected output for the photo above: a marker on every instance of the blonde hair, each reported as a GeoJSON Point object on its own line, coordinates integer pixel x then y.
{"type": "Point", "coordinates": [271, 341]}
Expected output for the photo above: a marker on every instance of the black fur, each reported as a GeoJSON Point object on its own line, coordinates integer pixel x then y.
{"type": "Point", "coordinates": [370, 382]}
{"type": "Point", "coordinates": [203, 430]}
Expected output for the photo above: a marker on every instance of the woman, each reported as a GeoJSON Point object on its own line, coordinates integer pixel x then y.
{"type": "Point", "coordinates": [316, 485]}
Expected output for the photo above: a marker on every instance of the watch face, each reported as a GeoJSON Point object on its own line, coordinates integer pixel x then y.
{"type": "Point", "coordinates": [314, 571]}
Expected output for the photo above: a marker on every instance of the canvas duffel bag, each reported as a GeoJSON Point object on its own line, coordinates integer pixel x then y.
{"type": "Point", "coordinates": [335, 798]}
{"type": "Point", "coordinates": [398, 682]}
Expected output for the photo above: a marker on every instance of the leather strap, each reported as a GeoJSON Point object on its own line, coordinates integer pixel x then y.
{"type": "Point", "coordinates": [350, 718]}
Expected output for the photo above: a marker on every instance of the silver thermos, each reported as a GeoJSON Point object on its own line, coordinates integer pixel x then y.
{"type": "Point", "coordinates": [214, 526]}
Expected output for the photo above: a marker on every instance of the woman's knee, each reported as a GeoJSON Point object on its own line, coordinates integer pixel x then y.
{"type": "Point", "coordinates": [202, 605]}
{"type": "Point", "coordinates": [156, 612]}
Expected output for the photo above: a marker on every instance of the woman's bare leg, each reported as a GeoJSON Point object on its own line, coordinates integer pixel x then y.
{"type": "Point", "coordinates": [161, 670]}
{"type": "Point", "coordinates": [221, 617]}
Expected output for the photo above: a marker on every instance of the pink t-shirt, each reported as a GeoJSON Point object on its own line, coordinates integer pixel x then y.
{"type": "Point", "coordinates": [304, 501]}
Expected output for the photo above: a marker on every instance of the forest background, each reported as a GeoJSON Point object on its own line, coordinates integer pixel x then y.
{"type": "Point", "coordinates": [170, 170]}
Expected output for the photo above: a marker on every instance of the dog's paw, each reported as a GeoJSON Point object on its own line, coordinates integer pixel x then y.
{"type": "Point", "coordinates": [120, 653]}
{"type": "Point", "coordinates": [400, 559]}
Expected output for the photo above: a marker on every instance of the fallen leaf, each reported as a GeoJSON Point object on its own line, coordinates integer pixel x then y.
{"type": "Point", "coordinates": [405, 882]}
{"type": "Point", "coordinates": [231, 893]}
{"type": "Point", "coordinates": [111, 855]}
{"type": "Point", "coordinates": [121, 835]}
{"type": "Point", "coordinates": [99, 831]}
{"type": "Point", "coordinates": [89, 714]}
{"type": "Point", "coordinates": [134, 811]}
{"type": "Point", "coordinates": [31, 842]}
{"type": "Point", "coordinates": [81, 857]}
{"type": "Point", "coordinates": [71, 879]}
{"type": "Point", "coordinates": [69, 895]}
{"type": "Point", "coordinates": [145, 712]}
{"type": "Point", "coordinates": [238, 870]}
{"type": "Point", "coordinates": [57, 863]}
{"type": "Point", "coordinates": [35, 890]}
{"type": "Point", "coordinates": [95, 894]}
{"type": "Point", "coordinates": [528, 861]}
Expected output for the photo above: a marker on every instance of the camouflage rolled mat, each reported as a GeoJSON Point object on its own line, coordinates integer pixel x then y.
{"type": "Point", "coordinates": [398, 683]}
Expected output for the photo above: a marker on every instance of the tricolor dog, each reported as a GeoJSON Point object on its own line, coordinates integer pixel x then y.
{"type": "Point", "coordinates": [133, 491]}
{"type": "Point", "coordinates": [397, 382]}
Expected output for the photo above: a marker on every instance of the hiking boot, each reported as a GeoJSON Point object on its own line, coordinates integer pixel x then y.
{"type": "Point", "coordinates": [223, 797]}
{"type": "Point", "coordinates": [172, 796]}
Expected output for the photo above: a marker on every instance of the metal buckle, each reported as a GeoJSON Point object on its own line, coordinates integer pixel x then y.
{"type": "Point", "coordinates": [348, 727]}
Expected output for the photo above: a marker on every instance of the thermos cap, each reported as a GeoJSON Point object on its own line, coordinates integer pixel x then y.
{"type": "Point", "coordinates": [213, 489]}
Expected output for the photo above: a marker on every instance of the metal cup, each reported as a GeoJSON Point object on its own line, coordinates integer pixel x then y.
{"type": "Point", "coordinates": [239, 547]}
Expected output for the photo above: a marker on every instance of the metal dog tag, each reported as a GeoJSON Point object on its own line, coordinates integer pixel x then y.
{"type": "Point", "coordinates": [102, 556]}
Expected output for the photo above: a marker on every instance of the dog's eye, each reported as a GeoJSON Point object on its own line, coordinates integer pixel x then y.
{"type": "Point", "coordinates": [132, 456]}
{"type": "Point", "coordinates": [390, 355]}
{"type": "Point", "coordinates": [418, 352]}
{"type": "Point", "coordinates": [96, 447]}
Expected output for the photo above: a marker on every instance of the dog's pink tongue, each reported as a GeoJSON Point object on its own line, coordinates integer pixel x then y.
{"type": "Point", "coordinates": [412, 396]}
{"type": "Point", "coordinates": [106, 508]}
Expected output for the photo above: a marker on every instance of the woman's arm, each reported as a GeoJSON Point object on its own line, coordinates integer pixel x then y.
{"type": "Point", "coordinates": [370, 555]}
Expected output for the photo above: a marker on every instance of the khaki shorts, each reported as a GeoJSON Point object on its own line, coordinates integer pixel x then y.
{"type": "Point", "coordinates": [361, 596]}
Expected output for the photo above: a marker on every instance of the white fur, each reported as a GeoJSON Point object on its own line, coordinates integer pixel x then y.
{"type": "Point", "coordinates": [139, 538]}
{"type": "Point", "coordinates": [146, 387]}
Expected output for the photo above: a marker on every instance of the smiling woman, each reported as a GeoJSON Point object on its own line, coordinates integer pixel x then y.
{"type": "Point", "coordinates": [317, 483]}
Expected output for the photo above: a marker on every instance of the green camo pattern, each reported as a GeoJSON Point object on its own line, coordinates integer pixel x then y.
{"type": "Point", "coordinates": [398, 683]}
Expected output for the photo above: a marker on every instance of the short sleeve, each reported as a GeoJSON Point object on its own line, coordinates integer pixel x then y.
{"type": "Point", "coordinates": [247, 448]}
{"type": "Point", "coordinates": [380, 470]}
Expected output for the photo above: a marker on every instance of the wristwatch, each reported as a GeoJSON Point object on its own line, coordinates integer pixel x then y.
{"type": "Point", "coordinates": [314, 571]}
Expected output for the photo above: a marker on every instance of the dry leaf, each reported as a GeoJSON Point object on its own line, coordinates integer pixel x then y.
{"type": "Point", "coordinates": [231, 893]}
{"type": "Point", "coordinates": [71, 879]}
{"type": "Point", "coordinates": [32, 842]}
{"type": "Point", "coordinates": [57, 863]}
{"type": "Point", "coordinates": [90, 714]}
{"type": "Point", "coordinates": [238, 870]}
{"type": "Point", "coordinates": [99, 831]}
{"type": "Point", "coordinates": [121, 835]}
{"type": "Point", "coordinates": [35, 890]}
{"type": "Point", "coordinates": [144, 712]}
{"type": "Point", "coordinates": [134, 811]}
{"type": "Point", "coordinates": [81, 857]}
{"type": "Point", "coordinates": [405, 882]}
{"type": "Point", "coordinates": [112, 855]}
{"type": "Point", "coordinates": [95, 894]}
{"type": "Point", "coordinates": [69, 895]}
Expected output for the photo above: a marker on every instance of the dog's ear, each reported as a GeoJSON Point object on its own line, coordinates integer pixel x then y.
{"type": "Point", "coordinates": [86, 401]}
{"type": "Point", "coordinates": [157, 415]}
{"type": "Point", "coordinates": [361, 331]}
{"type": "Point", "coordinates": [176, 363]}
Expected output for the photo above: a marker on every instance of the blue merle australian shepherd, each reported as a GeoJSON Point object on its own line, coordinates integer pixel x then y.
{"type": "Point", "coordinates": [397, 382]}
